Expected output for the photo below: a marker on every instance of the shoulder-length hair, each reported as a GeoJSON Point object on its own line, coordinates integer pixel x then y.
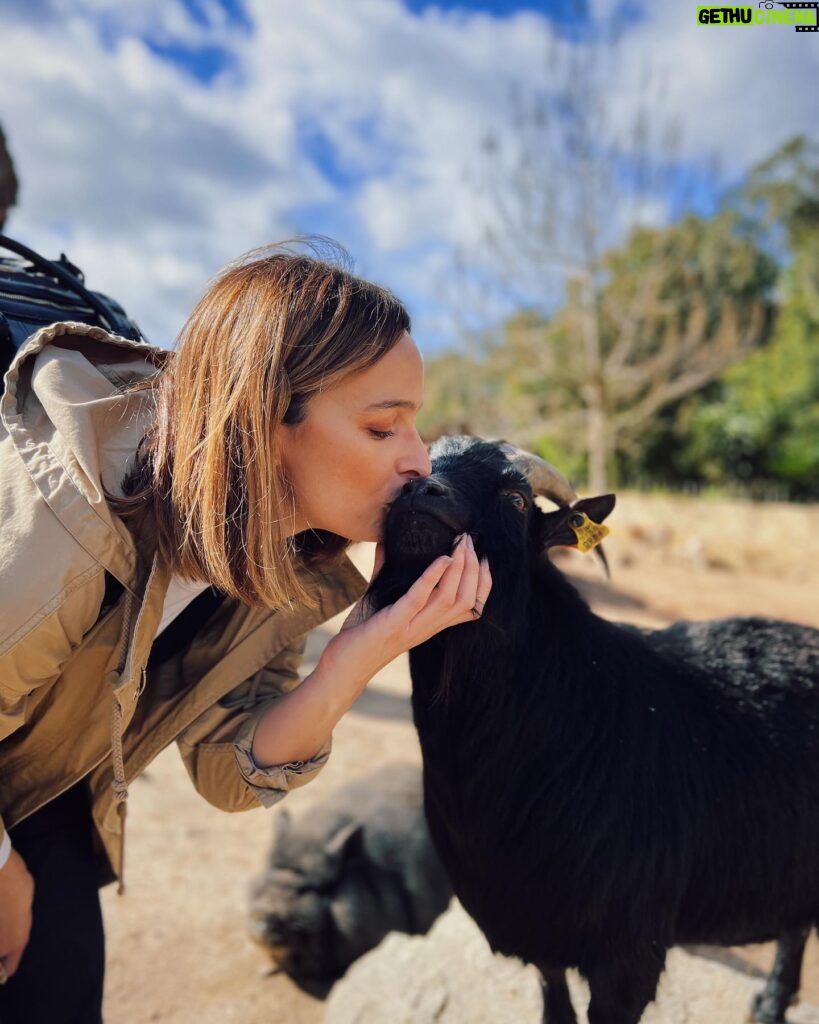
{"type": "Point", "coordinates": [272, 330]}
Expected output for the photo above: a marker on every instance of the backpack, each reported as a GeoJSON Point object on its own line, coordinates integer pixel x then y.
{"type": "Point", "coordinates": [35, 292]}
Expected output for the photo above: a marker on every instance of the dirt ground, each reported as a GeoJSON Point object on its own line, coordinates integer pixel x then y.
{"type": "Point", "coordinates": [178, 951]}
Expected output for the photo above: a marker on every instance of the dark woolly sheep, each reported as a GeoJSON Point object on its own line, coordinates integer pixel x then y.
{"type": "Point", "coordinates": [600, 793]}
{"type": "Point", "coordinates": [346, 872]}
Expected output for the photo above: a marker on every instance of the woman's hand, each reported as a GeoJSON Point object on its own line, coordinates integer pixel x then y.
{"type": "Point", "coordinates": [16, 896]}
{"type": "Point", "coordinates": [452, 590]}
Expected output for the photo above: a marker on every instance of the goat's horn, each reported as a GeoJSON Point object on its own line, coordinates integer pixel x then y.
{"type": "Point", "coordinates": [542, 475]}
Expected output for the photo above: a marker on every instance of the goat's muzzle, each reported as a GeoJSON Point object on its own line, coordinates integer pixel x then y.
{"type": "Point", "coordinates": [423, 519]}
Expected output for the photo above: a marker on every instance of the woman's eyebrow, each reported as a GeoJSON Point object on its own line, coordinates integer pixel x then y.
{"type": "Point", "coordinates": [394, 403]}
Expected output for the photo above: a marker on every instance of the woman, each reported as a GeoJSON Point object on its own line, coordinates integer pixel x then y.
{"type": "Point", "coordinates": [172, 527]}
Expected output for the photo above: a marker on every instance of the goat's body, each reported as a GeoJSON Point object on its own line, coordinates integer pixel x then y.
{"type": "Point", "coordinates": [599, 793]}
{"type": "Point", "coordinates": [647, 779]}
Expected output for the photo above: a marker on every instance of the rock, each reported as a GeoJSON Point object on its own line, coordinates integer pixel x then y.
{"type": "Point", "coordinates": [450, 976]}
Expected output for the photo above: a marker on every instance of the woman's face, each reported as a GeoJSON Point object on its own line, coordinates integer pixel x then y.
{"type": "Point", "coordinates": [356, 446]}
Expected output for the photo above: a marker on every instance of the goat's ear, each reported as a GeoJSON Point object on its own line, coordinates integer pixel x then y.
{"type": "Point", "coordinates": [556, 529]}
{"type": "Point", "coordinates": [597, 509]}
{"type": "Point", "coordinates": [347, 844]}
{"type": "Point", "coordinates": [279, 847]}
{"type": "Point", "coordinates": [283, 822]}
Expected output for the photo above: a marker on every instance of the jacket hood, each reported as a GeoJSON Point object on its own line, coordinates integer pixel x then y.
{"type": "Point", "coordinates": [72, 421]}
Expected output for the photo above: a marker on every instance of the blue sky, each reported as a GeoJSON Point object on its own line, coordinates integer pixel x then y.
{"type": "Point", "coordinates": [156, 141]}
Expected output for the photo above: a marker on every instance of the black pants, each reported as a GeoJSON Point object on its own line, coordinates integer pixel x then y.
{"type": "Point", "coordinates": [60, 977]}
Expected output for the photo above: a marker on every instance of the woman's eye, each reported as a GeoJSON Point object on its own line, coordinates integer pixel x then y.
{"type": "Point", "coordinates": [380, 434]}
{"type": "Point", "coordinates": [517, 500]}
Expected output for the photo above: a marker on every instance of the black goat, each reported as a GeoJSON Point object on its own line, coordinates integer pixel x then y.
{"type": "Point", "coordinates": [345, 873]}
{"type": "Point", "coordinates": [599, 793]}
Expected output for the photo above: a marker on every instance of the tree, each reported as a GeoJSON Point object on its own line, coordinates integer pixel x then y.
{"type": "Point", "coordinates": [674, 307]}
{"type": "Point", "coordinates": [769, 406]}
{"type": "Point", "coordinates": [758, 424]}
{"type": "Point", "coordinates": [680, 305]}
{"type": "Point", "coordinates": [784, 191]}
{"type": "Point", "coordinates": [8, 181]}
{"type": "Point", "coordinates": [578, 169]}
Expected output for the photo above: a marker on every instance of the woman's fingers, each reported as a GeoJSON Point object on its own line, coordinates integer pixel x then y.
{"type": "Point", "coordinates": [453, 597]}
{"type": "Point", "coordinates": [468, 585]}
{"type": "Point", "coordinates": [474, 583]}
{"type": "Point", "coordinates": [10, 963]}
{"type": "Point", "coordinates": [16, 897]}
{"type": "Point", "coordinates": [418, 595]}
{"type": "Point", "coordinates": [437, 587]}
{"type": "Point", "coordinates": [450, 591]}
{"type": "Point", "coordinates": [446, 593]}
{"type": "Point", "coordinates": [483, 587]}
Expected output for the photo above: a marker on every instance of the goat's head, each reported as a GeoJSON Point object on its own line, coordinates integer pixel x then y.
{"type": "Point", "coordinates": [485, 489]}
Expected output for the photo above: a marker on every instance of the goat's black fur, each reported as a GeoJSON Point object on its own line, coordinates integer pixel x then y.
{"type": "Point", "coordinates": [344, 873]}
{"type": "Point", "coordinates": [600, 793]}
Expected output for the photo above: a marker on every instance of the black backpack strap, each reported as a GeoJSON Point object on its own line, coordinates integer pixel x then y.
{"type": "Point", "coordinates": [8, 349]}
{"type": "Point", "coordinates": [69, 281]}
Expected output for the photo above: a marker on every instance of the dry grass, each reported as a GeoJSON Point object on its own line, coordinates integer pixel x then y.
{"type": "Point", "coordinates": [774, 539]}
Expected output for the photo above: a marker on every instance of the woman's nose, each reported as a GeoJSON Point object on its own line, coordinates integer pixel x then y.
{"type": "Point", "coordinates": [416, 462]}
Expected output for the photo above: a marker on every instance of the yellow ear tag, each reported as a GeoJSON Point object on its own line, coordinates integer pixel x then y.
{"type": "Point", "coordinates": [588, 533]}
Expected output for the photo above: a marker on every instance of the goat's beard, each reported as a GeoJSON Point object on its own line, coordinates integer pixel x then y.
{"type": "Point", "coordinates": [419, 536]}
{"type": "Point", "coordinates": [413, 539]}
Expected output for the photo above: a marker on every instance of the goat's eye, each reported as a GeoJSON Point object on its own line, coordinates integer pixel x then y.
{"type": "Point", "coordinates": [517, 499]}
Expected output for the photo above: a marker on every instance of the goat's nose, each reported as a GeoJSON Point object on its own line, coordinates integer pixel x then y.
{"type": "Point", "coordinates": [425, 485]}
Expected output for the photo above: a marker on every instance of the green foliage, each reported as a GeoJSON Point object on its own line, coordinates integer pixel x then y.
{"type": "Point", "coordinates": [673, 337]}
{"type": "Point", "coordinates": [758, 426]}
{"type": "Point", "coordinates": [499, 393]}
{"type": "Point", "coordinates": [784, 190]}
{"type": "Point", "coordinates": [670, 309]}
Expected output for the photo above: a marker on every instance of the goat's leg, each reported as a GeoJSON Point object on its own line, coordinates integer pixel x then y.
{"type": "Point", "coordinates": [621, 992]}
{"type": "Point", "coordinates": [557, 1006]}
{"type": "Point", "coordinates": [768, 1007]}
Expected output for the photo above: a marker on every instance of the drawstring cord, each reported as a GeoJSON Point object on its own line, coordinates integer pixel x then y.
{"type": "Point", "coordinates": [119, 783]}
{"type": "Point", "coordinates": [120, 787]}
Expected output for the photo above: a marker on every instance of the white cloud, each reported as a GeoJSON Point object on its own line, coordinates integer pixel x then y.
{"type": "Point", "coordinates": [359, 118]}
{"type": "Point", "coordinates": [126, 163]}
{"type": "Point", "coordinates": [159, 20]}
{"type": "Point", "coordinates": [738, 90]}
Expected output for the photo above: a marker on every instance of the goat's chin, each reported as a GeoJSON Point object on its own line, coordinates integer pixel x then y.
{"type": "Point", "coordinates": [420, 538]}
{"type": "Point", "coordinates": [411, 543]}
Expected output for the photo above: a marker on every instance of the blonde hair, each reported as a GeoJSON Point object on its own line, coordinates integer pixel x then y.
{"type": "Point", "coordinates": [272, 330]}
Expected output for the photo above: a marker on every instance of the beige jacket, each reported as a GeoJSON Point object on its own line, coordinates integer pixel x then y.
{"type": "Point", "coordinates": [69, 426]}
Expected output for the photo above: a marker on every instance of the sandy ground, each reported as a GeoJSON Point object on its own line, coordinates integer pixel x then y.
{"type": "Point", "coordinates": [177, 945]}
